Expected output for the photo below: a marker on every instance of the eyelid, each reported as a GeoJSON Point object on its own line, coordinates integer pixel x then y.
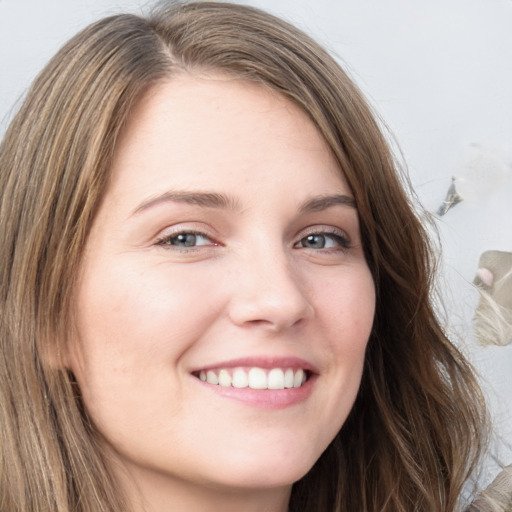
{"type": "Point", "coordinates": [323, 230]}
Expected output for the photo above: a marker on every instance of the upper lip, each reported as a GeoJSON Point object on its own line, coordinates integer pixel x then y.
{"type": "Point", "coordinates": [266, 363]}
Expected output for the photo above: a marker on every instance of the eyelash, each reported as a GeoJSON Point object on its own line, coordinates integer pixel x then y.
{"type": "Point", "coordinates": [340, 239]}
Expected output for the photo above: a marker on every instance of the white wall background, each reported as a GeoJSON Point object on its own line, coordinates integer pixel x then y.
{"type": "Point", "coordinates": [440, 74]}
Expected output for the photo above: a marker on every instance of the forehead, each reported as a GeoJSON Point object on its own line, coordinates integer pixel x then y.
{"type": "Point", "coordinates": [217, 131]}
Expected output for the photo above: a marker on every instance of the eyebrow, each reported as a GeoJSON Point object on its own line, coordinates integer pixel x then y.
{"type": "Point", "coordinates": [203, 199]}
{"type": "Point", "coordinates": [224, 202]}
{"type": "Point", "coordinates": [318, 204]}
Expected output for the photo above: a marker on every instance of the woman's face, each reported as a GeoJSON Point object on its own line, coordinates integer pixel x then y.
{"type": "Point", "coordinates": [227, 248]}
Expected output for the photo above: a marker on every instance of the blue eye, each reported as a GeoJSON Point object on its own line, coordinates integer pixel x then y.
{"type": "Point", "coordinates": [323, 241]}
{"type": "Point", "coordinates": [186, 239]}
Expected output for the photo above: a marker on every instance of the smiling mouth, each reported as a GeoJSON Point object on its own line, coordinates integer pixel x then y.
{"type": "Point", "coordinates": [255, 377]}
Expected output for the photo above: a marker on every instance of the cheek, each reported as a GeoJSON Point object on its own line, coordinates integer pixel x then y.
{"type": "Point", "coordinates": [133, 329]}
{"type": "Point", "coordinates": [347, 308]}
{"type": "Point", "coordinates": [346, 305]}
{"type": "Point", "coordinates": [129, 320]}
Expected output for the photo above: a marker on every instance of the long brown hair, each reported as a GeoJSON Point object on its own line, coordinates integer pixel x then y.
{"type": "Point", "coordinates": [414, 433]}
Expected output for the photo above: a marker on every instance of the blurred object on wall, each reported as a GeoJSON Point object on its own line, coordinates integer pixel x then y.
{"type": "Point", "coordinates": [497, 497]}
{"type": "Point", "coordinates": [452, 198]}
{"type": "Point", "coordinates": [493, 317]}
{"type": "Point", "coordinates": [478, 316]}
{"type": "Point", "coordinates": [483, 173]}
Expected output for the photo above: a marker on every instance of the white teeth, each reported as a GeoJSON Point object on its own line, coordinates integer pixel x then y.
{"type": "Point", "coordinates": [297, 380]}
{"type": "Point", "coordinates": [240, 379]}
{"type": "Point", "coordinates": [211, 377]}
{"type": "Point", "coordinates": [288, 378]}
{"type": "Point", "coordinates": [276, 379]}
{"type": "Point", "coordinates": [224, 379]}
{"type": "Point", "coordinates": [255, 378]}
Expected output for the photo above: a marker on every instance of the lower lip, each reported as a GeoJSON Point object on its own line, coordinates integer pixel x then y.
{"type": "Point", "coordinates": [264, 398]}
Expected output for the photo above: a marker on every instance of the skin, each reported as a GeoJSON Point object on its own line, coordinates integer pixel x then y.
{"type": "Point", "coordinates": [149, 312]}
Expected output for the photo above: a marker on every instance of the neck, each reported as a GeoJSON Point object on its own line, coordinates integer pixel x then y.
{"type": "Point", "coordinates": [159, 493]}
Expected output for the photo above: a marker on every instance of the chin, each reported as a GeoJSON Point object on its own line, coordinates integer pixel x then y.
{"type": "Point", "coordinates": [265, 474]}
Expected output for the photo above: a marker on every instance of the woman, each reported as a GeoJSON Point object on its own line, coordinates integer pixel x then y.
{"type": "Point", "coordinates": [215, 291]}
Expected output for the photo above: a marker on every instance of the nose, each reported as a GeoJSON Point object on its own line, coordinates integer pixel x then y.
{"type": "Point", "coordinates": [268, 293]}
